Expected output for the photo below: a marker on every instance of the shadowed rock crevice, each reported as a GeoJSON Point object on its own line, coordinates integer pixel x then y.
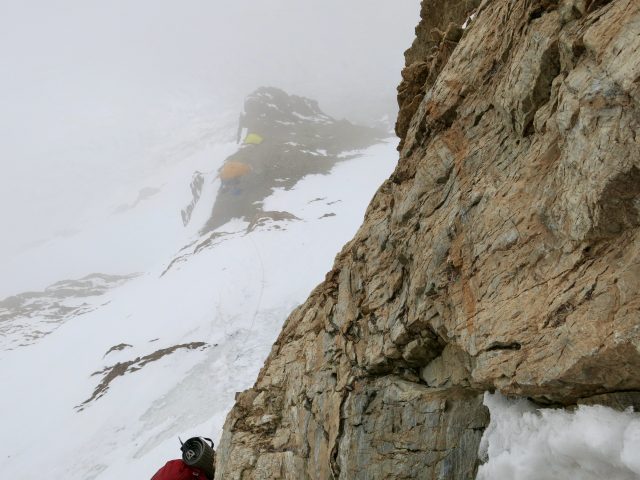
{"type": "Point", "coordinates": [619, 205]}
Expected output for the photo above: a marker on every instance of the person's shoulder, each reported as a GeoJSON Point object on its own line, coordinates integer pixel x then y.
{"type": "Point", "coordinates": [169, 470]}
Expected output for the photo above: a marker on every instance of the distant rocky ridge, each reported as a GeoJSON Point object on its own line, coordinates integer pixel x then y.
{"type": "Point", "coordinates": [282, 138]}
{"type": "Point", "coordinates": [502, 254]}
{"type": "Point", "coordinates": [27, 317]}
{"type": "Point", "coordinates": [295, 139]}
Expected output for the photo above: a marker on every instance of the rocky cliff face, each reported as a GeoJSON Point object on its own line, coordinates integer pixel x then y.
{"type": "Point", "coordinates": [503, 253]}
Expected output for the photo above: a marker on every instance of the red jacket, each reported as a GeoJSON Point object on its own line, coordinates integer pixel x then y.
{"type": "Point", "coordinates": [178, 470]}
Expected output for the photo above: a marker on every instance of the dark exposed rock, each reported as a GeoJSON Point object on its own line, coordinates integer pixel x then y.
{"type": "Point", "coordinates": [197, 183]}
{"type": "Point", "coordinates": [109, 374]}
{"type": "Point", "coordinates": [118, 348]}
{"type": "Point", "coordinates": [617, 400]}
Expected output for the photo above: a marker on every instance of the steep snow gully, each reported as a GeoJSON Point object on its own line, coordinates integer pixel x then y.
{"type": "Point", "coordinates": [502, 255]}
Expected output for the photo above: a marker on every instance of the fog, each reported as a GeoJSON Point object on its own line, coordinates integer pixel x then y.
{"type": "Point", "coordinates": [92, 90]}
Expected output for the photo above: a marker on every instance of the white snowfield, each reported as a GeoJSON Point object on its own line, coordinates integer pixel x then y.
{"type": "Point", "coordinates": [592, 443]}
{"type": "Point", "coordinates": [105, 394]}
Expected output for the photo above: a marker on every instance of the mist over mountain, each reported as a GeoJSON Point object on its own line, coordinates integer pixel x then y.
{"type": "Point", "coordinates": [91, 91]}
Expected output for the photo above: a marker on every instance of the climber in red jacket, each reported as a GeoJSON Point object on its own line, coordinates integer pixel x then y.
{"type": "Point", "coordinates": [178, 470]}
{"type": "Point", "coordinates": [197, 463]}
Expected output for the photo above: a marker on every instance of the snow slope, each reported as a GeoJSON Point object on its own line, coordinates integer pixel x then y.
{"type": "Point", "coordinates": [107, 391]}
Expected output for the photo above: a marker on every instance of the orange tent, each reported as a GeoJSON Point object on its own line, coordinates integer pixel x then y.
{"type": "Point", "coordinates": [231, 170]}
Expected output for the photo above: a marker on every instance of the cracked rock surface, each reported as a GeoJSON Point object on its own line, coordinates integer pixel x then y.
{"type": "Point", "coordinates": [503, 253]}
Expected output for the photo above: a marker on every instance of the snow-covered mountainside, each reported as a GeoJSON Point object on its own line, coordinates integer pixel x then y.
{"type": "Point", "coordinates": [29, 316]}
{"type": "Point", "coordinates": [174, 310]}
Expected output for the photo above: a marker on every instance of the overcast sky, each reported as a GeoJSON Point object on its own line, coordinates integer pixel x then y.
{"type": "Point", "coordinates": [85, 84]}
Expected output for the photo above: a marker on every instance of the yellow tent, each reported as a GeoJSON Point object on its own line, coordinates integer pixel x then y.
{"type": "Point", "coordinates": [253, 139]}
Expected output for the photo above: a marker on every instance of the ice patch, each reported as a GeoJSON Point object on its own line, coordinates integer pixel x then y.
{"type": "Point", "coordinates": [469, 19]}
{"type": "Point", "coordinates": [523, 442]}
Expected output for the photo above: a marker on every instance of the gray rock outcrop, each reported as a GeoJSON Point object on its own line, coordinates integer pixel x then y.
{"type": "Point", "coordinates": [503, 253]}
{"type": "Point", "coordinates": [295, 139]}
